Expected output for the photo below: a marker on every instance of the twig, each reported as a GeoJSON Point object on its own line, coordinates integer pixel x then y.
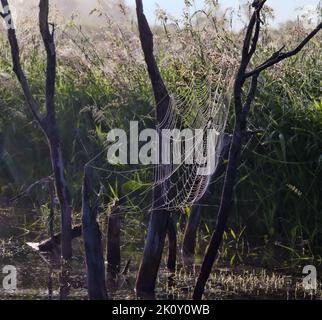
{"type": "Point", "coordinates": [280, 56]}
{"type": "Point", "coordinates": [241, 112]}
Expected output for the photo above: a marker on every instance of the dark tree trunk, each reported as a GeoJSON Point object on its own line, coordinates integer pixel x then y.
{"type": "Point", "coordinates": [172, 239]}
{"type": "Point", "coordinates": [113, 240]}
{"type": "Point", "coordinates": [190, 235]}
{"type": "Point", "coordinates": [242, 108]}
{"type": "Point", "coordinates": [159, 218]}
{"type": "Point", "coordinates": [63, 196]}
{"type": "Point", "coordinates": [154, 244]}
{"type": "Point", "coordinates": [241, 113]}
{"type": "Point", "coordinates": [48, 122]}
{"type": "Point", "coordinates": [215, 242]}
{"type": "Point", "coordinates": [51, 218]}
{"type": "Point", "coordinates": [95, 265]}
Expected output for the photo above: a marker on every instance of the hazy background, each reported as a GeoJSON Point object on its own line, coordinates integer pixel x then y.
{"type": "Point", "coordinates": [283, 9]}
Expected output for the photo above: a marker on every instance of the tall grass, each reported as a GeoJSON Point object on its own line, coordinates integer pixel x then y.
{"type": "Point", "coordinates": [102, 84]}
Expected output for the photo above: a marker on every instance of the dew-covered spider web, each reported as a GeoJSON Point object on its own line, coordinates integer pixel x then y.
{"type": "Point", "coordinates": [202, 105]}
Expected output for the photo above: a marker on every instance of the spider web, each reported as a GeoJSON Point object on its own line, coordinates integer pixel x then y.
{"type": "Point", "coordinates": [201, 105]}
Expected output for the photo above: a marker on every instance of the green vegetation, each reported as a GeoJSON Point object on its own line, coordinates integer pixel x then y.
{"type": "Point", "coordinates": [102, 84]}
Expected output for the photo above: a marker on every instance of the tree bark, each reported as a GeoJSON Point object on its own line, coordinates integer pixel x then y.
{"type": "Point", "coordinates": [63, 197]}
{"type": "Point", "coordinates": [241, 112]}
{"type": "Point", "coordinates": [216, 239]}
{"type": "Point", "coordinates": [154, 244]}
{"type": "Point", "coordinates": [48, 122]}
{"type": "Point", "coordinates": [95, 265]}
{"type": "Point", "coordinates": [51, 217]}
{"type": "Point", "coordinates": [172, 239]}
{"type": "Point", "coordinates": [159, 217]}
{"type": "Point", "coordinates": [242, 108]}
{"type": "Point", "coordinates": [113, 240]}
{"type": "Point", "coordinates": [190, 235]}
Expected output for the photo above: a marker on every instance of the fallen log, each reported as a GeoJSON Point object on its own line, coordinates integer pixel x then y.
{"type": "Point", "coordinates": [51, 243]}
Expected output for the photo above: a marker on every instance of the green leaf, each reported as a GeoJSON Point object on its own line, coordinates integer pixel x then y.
{"type": "Point", "coordinates": [131, 186]}
{"type": "Point", "coordinates": [283, 145]}
{"type": "Point", "coordinates": [233, 233]}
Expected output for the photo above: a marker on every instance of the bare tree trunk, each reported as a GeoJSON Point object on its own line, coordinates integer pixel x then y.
{"type": "Point", "coordinates": [154, 244]}
{"type": "Point", "coordinates": [63, 197]}
{"type": "Point", "coordinates": [172, 239]}
{"type": "Point", "coordinates": [159, 217]}
{"type": "Point", "coordinates": [215, 242]}
{"type": "Point", "coordinates": [190, 235]}
{"type": "Point", "coordinates": [113, 240]}
{"type": "Point", "coordinates": [48, 122]}
{"type": "Point", "coordinates": [242, 109]}
{"type": "Point", "coordinates": [95, 265]}
{"type": "Point", "coordinates": [51, 218]}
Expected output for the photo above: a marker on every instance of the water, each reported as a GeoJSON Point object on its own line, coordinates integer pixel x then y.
{"type": "Point", "coordinates": [40, 276]}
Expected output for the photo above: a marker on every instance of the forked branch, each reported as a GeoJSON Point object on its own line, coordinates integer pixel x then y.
{"type": "Point", "coordinates": [242, 108]}
{"type": "Point", "coordinates": [280, 56]}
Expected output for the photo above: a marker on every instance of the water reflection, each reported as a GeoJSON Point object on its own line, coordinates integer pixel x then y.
{"type": "Point", "coordinates": [42, 276]}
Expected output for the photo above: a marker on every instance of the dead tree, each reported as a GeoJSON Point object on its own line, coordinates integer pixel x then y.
{"type": "Point", "coordinates": [172, 240]}
{"type": "Point", "coordinates": [190, 235]}
{"type": "Point", "coordinates": [95, 265]}
{"type": "Point", "coordinates": [242, 108]}
{"type": "Point", "coordinates": [51, 218]}
{"type": "Point", "coordinates": [46, 122]}
{"type": "Point", "coordinates": [159, 217]}
{"type": "Point", "coordinates": [113, 239]}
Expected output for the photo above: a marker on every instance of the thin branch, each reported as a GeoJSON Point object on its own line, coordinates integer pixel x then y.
{"type": "Point", "coordinates": [255, 21]}
{"type": "Point", "coordinates": [249, 48]}
{"type": "Point", "coordinates": [25, 193]}
{"type": "Point", "coordinates": [251, 96]}
{"type": "Point", "coordinates": [256, 35]}
{"type": "Point", "coordinates": [48, 39]}
{"type": "Point", "coordinates": [280, 56]}
{"type": "Point", "coordinates": [160, 91]}
{"type": "Point", "coordinates": [31, 102]}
